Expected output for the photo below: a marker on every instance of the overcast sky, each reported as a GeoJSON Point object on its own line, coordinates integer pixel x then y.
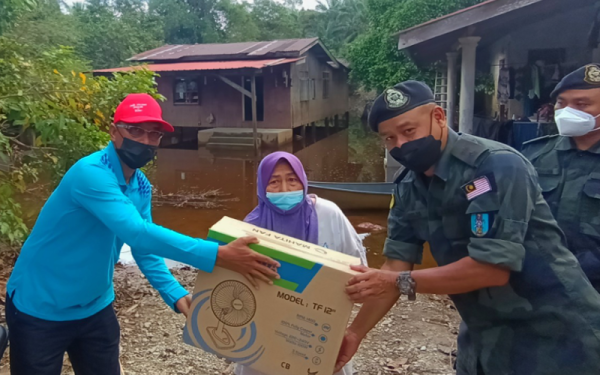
{"type": "Point", "coordinates": [308, 4]}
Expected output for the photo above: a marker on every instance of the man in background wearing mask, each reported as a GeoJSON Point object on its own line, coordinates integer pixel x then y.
{"type": "Point", "coordinates": [529, 308]}
{"type": "Point", "coordinates": [60, 293]}
{"type": "Point", "coordinates": [568, 166]}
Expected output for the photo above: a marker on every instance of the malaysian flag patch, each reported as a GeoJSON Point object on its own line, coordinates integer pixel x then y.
{"type": "Point", "coordinates": [479, 186]}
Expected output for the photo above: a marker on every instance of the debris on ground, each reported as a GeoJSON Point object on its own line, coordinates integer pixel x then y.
{"type": "Point", "coordinates": [183, 198]}
{"type": "Point", "coordinates": [371, 227]}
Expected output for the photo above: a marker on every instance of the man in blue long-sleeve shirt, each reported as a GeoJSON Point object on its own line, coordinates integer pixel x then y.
{"type": "Point", "coordinates": [60, 294]}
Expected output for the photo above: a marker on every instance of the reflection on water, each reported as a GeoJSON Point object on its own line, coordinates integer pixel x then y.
{"type": "Point", "coordinates": [352, 155]}
{"type": "Point", "coordinates": [335, 158]}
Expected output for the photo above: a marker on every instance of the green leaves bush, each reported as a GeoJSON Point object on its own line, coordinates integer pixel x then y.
{"type": "Point", "coordinates": [52, 113]}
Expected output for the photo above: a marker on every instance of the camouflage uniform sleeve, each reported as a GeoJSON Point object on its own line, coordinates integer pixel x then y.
{"type": "Point", "coordinates": [507, 209]}
{"type": "Point", "coordinates": [401, 243]}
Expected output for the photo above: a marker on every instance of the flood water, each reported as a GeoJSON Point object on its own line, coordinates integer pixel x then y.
{"type": "Point", "coordinates": [233, 173]}
{"type": "Point", "coordinates": [349, 155]}
{"type": "Point", "coordinates": [344, 156]}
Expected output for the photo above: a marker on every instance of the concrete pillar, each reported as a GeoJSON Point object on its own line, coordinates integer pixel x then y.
{"type": "Point", "coordinates": [303, 135]}
{"type": "Point", "coordinates": [467, 83]}
{"type": "Point", "coordinates": [314, 130]}
{"type": "Point", "coordinates": [336, 121]}
{"type": "Point", "coordinates": [451, 89]}
{"type": "Point", "coordinates": [347, 120]}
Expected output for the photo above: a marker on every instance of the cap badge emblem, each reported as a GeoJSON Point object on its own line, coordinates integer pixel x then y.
{"type": "Point", "coordinates": [395, 99]}
{"type": "Point", "coordinates": [592, 74]}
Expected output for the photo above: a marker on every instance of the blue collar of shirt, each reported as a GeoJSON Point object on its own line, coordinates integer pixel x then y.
{"type": "Point", "coordinates": [115, 166]}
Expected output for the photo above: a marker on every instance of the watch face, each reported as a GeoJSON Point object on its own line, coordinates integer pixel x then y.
{"type": "Point", "coordinates": [406, 285]}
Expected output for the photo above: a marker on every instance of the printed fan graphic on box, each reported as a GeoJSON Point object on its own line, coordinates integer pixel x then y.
{"type": "Point", "coordinates": [234, 305]}
{"type": "Point", "coordinates": [296, 324]}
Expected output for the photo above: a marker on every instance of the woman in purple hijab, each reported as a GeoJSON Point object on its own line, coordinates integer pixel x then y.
{"type": "Point", "coordinates": [285, 207]}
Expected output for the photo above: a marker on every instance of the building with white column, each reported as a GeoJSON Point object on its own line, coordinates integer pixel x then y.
{"type": "Point", "coordinates": [504, 57]}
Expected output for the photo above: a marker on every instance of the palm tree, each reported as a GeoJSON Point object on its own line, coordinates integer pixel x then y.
{"type": "Point", "coordinates": [343, 21]}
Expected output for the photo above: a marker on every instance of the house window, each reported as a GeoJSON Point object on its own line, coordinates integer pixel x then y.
{"type": "Point", "coordinates": [186, 91]}
{"type": "Point", "coordinates": [326, 83]}
{"type": "Point", "coordinates": [304, 86]}
{"type": "Point", "coordinates": [313, 89]}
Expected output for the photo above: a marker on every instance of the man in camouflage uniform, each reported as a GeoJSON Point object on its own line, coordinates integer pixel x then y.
{"type": "Point", "coordinates": [528, 305]}
{"type": "Point", "coordinates": [568, 166]}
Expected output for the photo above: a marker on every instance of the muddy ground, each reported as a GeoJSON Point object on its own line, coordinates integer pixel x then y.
{"type": "Point", "coordinates": [415, 338]}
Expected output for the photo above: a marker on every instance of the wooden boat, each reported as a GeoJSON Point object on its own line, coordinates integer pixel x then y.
{"type": "Point", "coordinates": [355, 196]}
{"type": "Point", "coordinates": [361, 196]}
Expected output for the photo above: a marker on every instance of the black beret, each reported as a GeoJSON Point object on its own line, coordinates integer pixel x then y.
{"type": "Point", "coordinates": [397, 100]}
{"type": "Point", "coordinates": [585, 78]}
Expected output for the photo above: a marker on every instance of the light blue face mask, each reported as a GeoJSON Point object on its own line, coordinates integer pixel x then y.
{"type": "Point", "coordinates": [286, 200]}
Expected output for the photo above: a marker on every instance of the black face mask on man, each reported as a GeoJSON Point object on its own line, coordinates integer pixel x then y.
{"type": "Point", "coordinates": [135, 154]}
{"type": "Point", "coordinates": [419, 155]}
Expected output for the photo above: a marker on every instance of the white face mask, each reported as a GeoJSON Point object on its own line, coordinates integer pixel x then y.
{"type": "Point", "coordinates": [572, 122]}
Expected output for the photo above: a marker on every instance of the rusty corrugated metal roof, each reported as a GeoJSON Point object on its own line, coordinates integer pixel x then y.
{"type": "Point", "coordinates": [204, 65]}
{"type": "Point", "coordinates": [287, 48]}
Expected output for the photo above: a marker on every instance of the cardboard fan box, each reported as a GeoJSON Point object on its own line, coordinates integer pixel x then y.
{"type": "Point", "coordinates": [294, 327]}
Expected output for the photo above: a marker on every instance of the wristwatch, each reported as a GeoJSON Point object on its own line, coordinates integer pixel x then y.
{"type": "Point", "coordinates": [406, 285]}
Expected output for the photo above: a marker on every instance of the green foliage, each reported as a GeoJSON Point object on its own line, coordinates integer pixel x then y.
{"type": "Point", "coordinates": [341, 22]}
{"type": "Point", "coordinates": [211, 21]}
{"type": "Point", "coordinates": [275, 20]}
{"type": "Point", "coordinates": [11, 9]}
{"type": "Point", "coordinates": [113, 31]}
{"type": "Point", "coordinates": [45, 27]}
{"type": "Point", "coordinates": [237, 24]}
{"type": "Point", "coordinates": [50, 117]}
{"type": "Point", "coordinates": [12, 228]}
{"type": "Point", "coordinates": [108, 32]}
{"type": "Point", "coordinates": [376, 61]}
{"type": "Point", "coordinates": [484, 83]}
{"type": "Point", "coordinates": [188, 21]}
{"type": "Point", "coordinates": [52, 113]}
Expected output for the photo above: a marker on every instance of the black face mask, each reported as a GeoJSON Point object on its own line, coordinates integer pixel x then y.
{"type": "Point", "coordinates": [135, 154]}
{"type": "Point", "coordinates": [419, 155]}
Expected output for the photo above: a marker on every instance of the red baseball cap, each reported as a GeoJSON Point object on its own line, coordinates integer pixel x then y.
{"type": "Point", "coordinates": [138, 108]}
